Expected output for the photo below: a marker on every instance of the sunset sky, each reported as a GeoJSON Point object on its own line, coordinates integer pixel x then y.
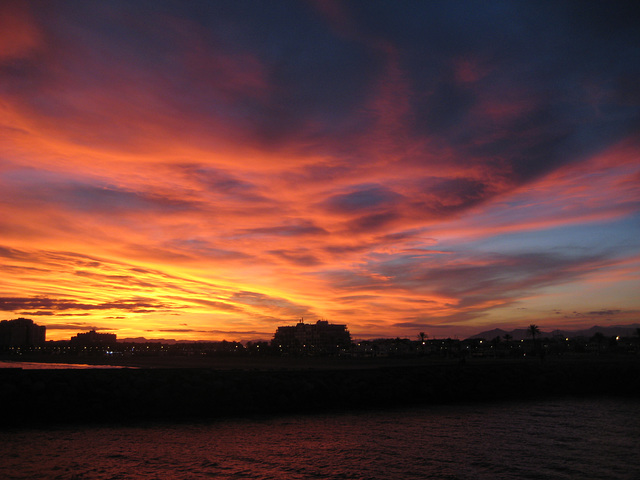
{"type": "Point", "coordinates": [213, 170]}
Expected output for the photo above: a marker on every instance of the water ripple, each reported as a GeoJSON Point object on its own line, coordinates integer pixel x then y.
{"type": "Point", "coordinates": [560, 439]}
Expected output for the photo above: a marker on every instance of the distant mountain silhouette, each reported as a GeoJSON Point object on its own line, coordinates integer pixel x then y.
{"type": "Point", "coordinates": [496, 332]}
{"type": "Point", "coordinates": [521, 333]}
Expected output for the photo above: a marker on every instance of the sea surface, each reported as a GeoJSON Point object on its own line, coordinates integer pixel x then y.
{"type": "Point", "coordinates": [50, 366]}
{"type": "Point", "coordinates": [551, 439]}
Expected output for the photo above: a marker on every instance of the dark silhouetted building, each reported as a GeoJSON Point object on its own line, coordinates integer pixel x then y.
{"type": "Point", "coordinates": [21, 332]}
{"type": "Point", "coordinates": [312, 338]}
{"type": "Point", "coordinates": [93, 338]}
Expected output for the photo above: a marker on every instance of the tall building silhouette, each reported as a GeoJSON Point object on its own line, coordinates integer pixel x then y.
{"type": "Point", "coordinates": [21, 332]}
{"type": "Point", "coordinates": [93, 338]}
{"type": "Point", "coordinates": [310, 338]}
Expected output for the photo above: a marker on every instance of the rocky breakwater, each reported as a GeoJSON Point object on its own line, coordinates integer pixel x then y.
{"type": "Point", "coordinates": [42, 397]}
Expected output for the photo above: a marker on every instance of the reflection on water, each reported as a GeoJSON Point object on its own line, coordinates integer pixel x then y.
{"type": "Point", "coordinates": [559, 439]}
{"type": "Point", "coordinates": [50, 366]}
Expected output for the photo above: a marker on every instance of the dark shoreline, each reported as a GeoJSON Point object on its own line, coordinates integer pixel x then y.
{"type": "Point", "coordinates": [33, 398]}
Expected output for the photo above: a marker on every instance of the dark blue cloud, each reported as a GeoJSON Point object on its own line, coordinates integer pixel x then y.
{"type": "Point", "coordinates": [373, 222]}
{"type": "Point", "coordinates": [575, 62]}
{"type": "Point", "coordinates": [482, 277]}
{"type": "Point", "coordinates": [101, 198]}
{"type": "Point", "coordinates": [473, 280]}
{"type": "Point", "coordinates": [314, 78]}
{"type": "Point", "coordinates": [96, 199]}
{"type": "Point", "coordinates": [223, 183]}
{"type": "Point", "coordinates": [282, 75]}
{"type": "Point", "coordinates": [137, 304]}
{"type": "Point", "coordinates": [364, 199]}
{"type": "Point", "coordinates": [454, 195]}
{"type": "Point", "coordinates": [296, 228]}
{"type": "Point", "coordinates": [302, 257]}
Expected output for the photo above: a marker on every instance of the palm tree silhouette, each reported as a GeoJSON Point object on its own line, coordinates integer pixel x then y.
{"type": "Point", "coordinates": [599, 338]}
{"type": "Point", "coordinates": [423, 336]}
{"type": "Point", "coordinates": [533, 330]}
{"type": "Point", "coordinates": [507, 341]}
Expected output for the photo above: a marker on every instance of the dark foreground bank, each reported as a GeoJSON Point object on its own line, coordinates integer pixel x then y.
{"type": "Point", "coordinates": [42, 397]}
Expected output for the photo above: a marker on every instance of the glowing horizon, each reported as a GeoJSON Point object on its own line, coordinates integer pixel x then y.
{"type": "Point", "coordinates": [213, 171]}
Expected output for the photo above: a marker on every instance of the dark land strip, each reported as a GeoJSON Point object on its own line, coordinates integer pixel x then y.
{"type": "Point", "coordinates": [32, 398]}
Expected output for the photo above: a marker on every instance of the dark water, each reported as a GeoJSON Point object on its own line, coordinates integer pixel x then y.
{"type": "Point", "coordinates": [50, 366]}
{"type": "Point", "coordinates": [554, 439]}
